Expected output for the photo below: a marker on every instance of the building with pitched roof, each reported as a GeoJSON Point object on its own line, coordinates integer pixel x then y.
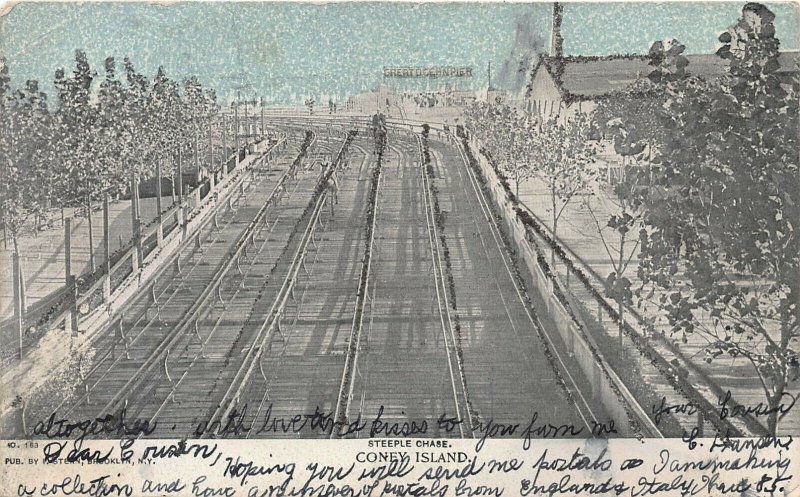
{"type": "Point", "coordinates": [562, 85]}
{"type": "Point", "coordinates": [576, 83]}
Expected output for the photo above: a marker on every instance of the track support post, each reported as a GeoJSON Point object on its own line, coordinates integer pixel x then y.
{"type": "Point", "coordinates": [169, 378]}
{"type": "Point", "coordinates": [279, 328]}
{"type": "Point", "coordinates": [263, 375]}
{"type": "Point", "coordinates": [199, 339]}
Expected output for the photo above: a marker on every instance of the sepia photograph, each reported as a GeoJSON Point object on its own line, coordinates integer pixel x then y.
{"type": "Point", "coordinates": [546, 223]}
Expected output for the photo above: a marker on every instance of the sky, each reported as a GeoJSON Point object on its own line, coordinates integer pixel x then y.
{"type": "Point", "coordinates": [287, 51]}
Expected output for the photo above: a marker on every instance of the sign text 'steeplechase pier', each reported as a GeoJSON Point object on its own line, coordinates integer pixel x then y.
{"type": "Point", "coordinates": [428, 72]}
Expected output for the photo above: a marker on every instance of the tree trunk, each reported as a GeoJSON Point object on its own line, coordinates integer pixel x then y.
{"type": "Point", "coordinates": [67, 250]}
{"type": "Point", "coordinates": [774, 404]}
{"type": "Point", "coordinates": [180, 177]}
{"type": "Point", "coordinates": [211, 166]}
{"type": "Point", "coordinates": [236, 129]}
{"type": "Point", "coordinates": [246, 125]}
{"type": "Point", "coordinates": [225, 154]}
{"type": "Point", "coordinates": [137, 189]}
{"type": "Point", "coordinates": [106, 249]}
{"type": "Point", "coordinates": [91, 232]}
{"type": "Point", "coordinates": [139, 241]}
{"type": "Point", "coordinates": [555, 231]}
{"type": "Point", "coordinates": [197, 155]}
{"type": "Point", "coordinates": [106, 233]}
{"type": "Point", "coordinates": [158, 188]}
{"type": "Point", "coordinates": [620, 301]}
{"type": "Point", "coordinates": [173, 178]}
{"type": "Point", "coordinates": [17, 285]}
{"type": "Point", "coordinates": [788, 325]}
{"type": "Point", "coordinates": [71, 322]}
{"type": "Point", "coordinates": [622, 173]}
{"type": "Point", "coordinates": [133, 207]}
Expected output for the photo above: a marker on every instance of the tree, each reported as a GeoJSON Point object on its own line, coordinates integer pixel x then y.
{"type": "Point", "coordinates": [630, 119]}
{"type": "Point", "coordinates": [562, 155]}
{"type": "Point", "coordinates": [5, 128]}
{"type": "Point", "coordinates": [165, 103]}
{"type": "Point", "coordinates": [137, 119]}
{"type": "Point", "coordinates": [721, 243]}
{"type": "Point", "coordinates": [112, 133]}
{"type": "Point", "coordinates": [515, 132]}
{"type": "Point", "coordinates": [210, 115]}
{"type": "Point", "coordinates": [24, 135]}
{"type": "Point", "coordinates": [506, 136]}
{"type": "Point", "coordinates": [5, 81]}
{"type": "Point", "coordinates": [619, 234]}
{"type": "Point", "coordinates": [195, 110]}
{"type": "Point", "coordinates": [24, 139]}
{"type": "Point", "coordinates": [633, 119]}
{"type": "Point", "coordinates": [668, 61]}
{"type": "Point", "coordinates": [78, 138]}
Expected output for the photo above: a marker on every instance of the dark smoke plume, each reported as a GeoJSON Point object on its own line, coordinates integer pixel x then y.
{"type": "Point", "coordinates": [528, 43]}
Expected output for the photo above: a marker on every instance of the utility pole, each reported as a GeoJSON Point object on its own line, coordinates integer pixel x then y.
{"type": "Point", "coordinates": [160, 229]}
{"type": "Point", "coordinates": [71, 323]}
{"type": "Point", "coordinates": [246, 125]}
{"type": "Point", "coordinates": [180, 176]}
{"type": "Point", "coordinates": [107, 248]}
{"type": "Point", "coordinates": [133, 208]}
{"type": "Point", "coordinates": [197, 153]}
{"type": "Point", "coordinates": [136, 224]}
{"type": "Point", "coordinates": [224, 146]}
{"type": "Point", "coordinates": [210, 146]}
{"type": "Point", "coordinates": [158, 187]}
{"type": "Point", "coordinates": [236, 129]}
{"type": "Point", "coordinates": [19, 304]}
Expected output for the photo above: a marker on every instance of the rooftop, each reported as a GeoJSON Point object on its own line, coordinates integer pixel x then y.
{"type": "Point", "coordinates": [590, 77]}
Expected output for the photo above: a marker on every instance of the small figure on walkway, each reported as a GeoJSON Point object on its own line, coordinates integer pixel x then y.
{"type": "Point", "coordinates": [331, 185]}
{"type": "Point", "coordinates": [333, 191]}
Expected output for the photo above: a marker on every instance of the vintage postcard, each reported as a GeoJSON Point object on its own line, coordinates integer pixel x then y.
{"type": "Point", "coordinates": [404, 249]}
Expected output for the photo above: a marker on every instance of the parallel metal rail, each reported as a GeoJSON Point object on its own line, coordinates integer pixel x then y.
{"type": "Point", "coordinates": [152, 298]}
{"type": "Point", "coordinates": [147, 231]}
{"type": "Point", "coordinates": [454, 363]}
{"type": "Point", "coordinates": [231, 397]}
{"type": "Point", "coordinates": [647, 424]}
{"type": "Point", "coordinates": [280, 363]}
{"type": "Point", "coordinates": [161, 351]}
{"type": "Point", "coordinates": [240, 379]}
{"type": "Point", "coordinates": [584, 409]}
{"type": "Point", "coordinates": [207, 341]}
{"type": "Point", "coordinates": [354, 344]}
